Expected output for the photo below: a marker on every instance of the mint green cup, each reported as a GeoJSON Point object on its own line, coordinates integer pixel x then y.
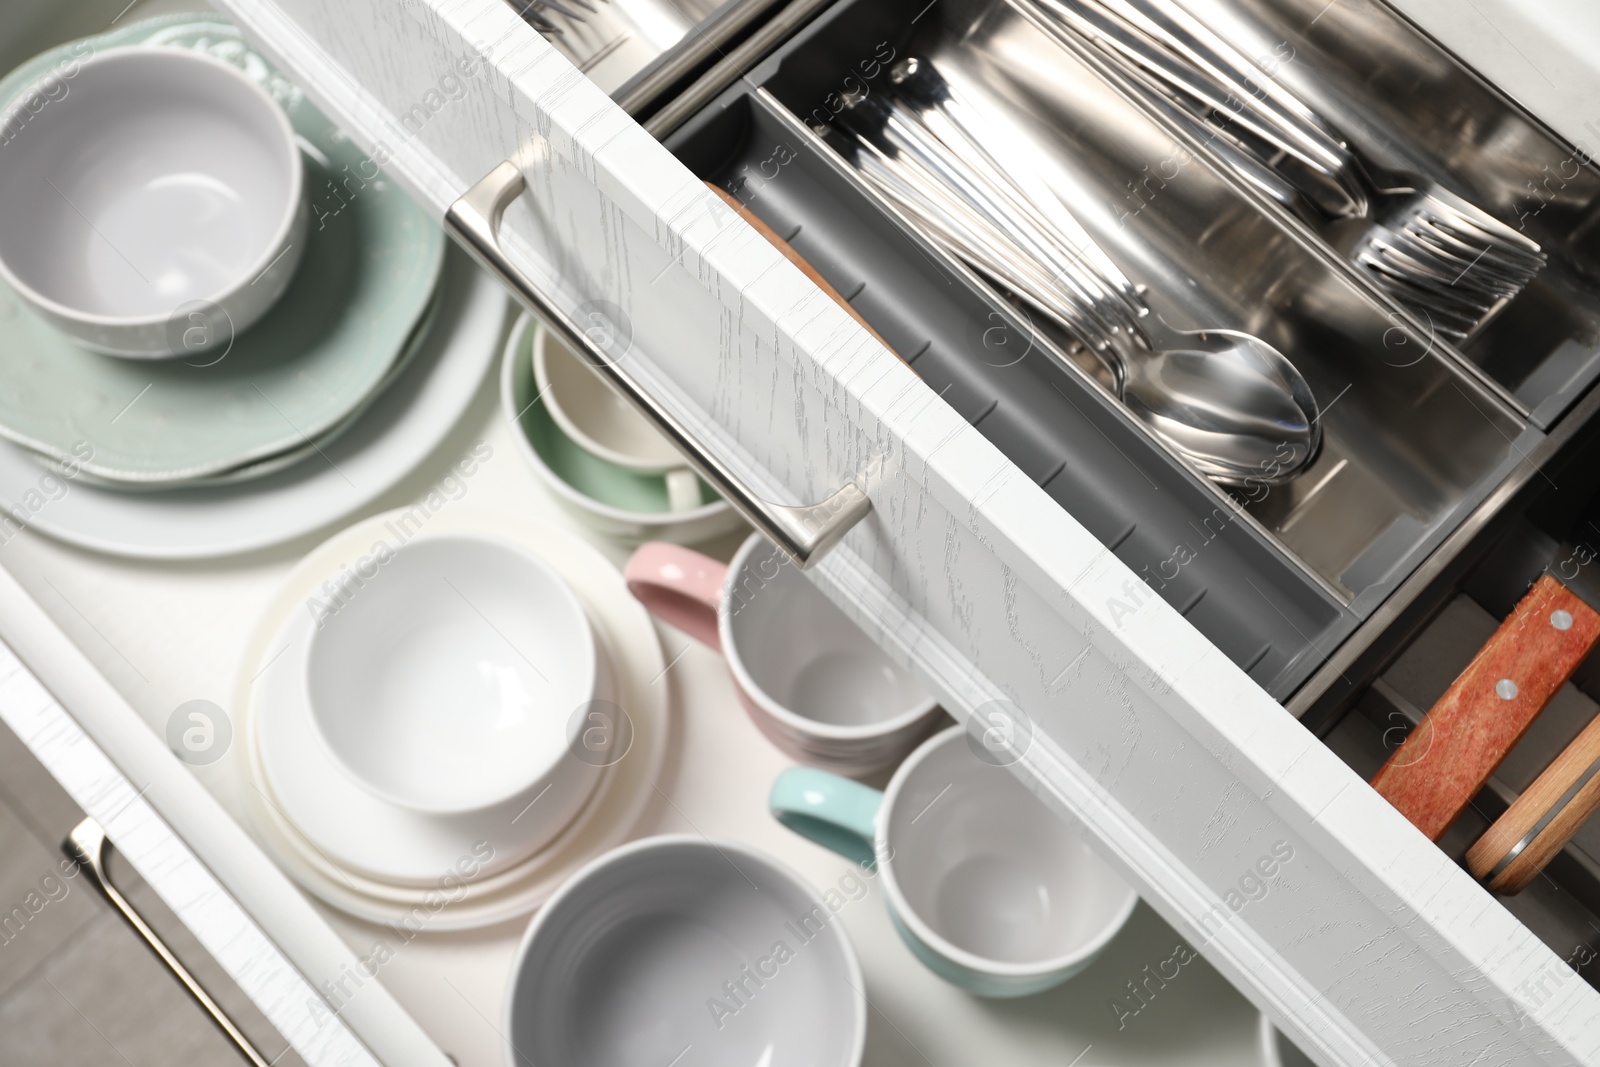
{"type": "Point", "coordinates": [991, 890]}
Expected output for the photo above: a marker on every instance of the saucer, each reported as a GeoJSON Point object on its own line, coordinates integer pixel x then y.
{"type": "Point", "coordinates": [322, 350]}
{"type": "Point", "coordinates": [619, 801]}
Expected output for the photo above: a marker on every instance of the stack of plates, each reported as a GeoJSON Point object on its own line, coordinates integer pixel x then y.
{"type": "Point", "coordinates": [384, 861]}
{"type": "Point", "coordinates": [358, 306]}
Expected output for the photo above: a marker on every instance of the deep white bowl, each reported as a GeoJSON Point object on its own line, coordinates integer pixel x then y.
{"type": "Point", "coordinates": [448, 678]}
{"type": "Point", "coordinates": [162, 194]}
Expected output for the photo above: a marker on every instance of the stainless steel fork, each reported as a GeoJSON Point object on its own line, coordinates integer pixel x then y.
{"type": "Point", "coordinates": [1447, 259]}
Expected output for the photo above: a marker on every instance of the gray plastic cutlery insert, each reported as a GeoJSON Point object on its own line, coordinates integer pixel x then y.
{"type": "Point", "coordinates": [1277, 577]}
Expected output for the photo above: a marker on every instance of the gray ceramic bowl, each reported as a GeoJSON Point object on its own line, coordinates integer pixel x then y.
{"type": "Point", "coordinates": [161, 195]}
{"type": "Point", "coordinates": [680, 941]}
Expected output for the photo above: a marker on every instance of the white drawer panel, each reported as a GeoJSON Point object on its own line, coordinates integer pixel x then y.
{"type": "Point", "coordinates": [1370, 946]}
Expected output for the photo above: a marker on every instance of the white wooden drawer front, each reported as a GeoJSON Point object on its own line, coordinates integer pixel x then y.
{"type": "Point", "coordinates": [1371, 947]}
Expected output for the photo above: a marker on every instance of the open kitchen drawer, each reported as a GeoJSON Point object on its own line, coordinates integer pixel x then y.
{"type": "Point", "coordinates": [1022, 525]}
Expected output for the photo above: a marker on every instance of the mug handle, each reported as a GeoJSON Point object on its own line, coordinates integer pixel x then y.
{"type": "Point", "coordinates": [833, 811]}
{"type": "Point", "coordinates": [683, 490]}
{"type": "Point", "coordinates": [680, 586]}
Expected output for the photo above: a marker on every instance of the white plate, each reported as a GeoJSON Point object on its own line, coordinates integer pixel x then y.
{"type": "Point", "coordinates": [395, 434]}
{"type": "Point", "coordinates": [624, 793]}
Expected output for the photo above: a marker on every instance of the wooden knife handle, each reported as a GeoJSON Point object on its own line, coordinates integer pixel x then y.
{"type": "Point", "coordinates": [1543, 819]}
{"type": "Point", "coordinates": [1445, 761]}
{"type": "Point", "coordinates": [798, 260]}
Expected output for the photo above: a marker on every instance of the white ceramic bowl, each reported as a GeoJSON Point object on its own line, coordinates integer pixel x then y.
{"type": "Point", "coordinates": [446, 678]}
{"type": "Point", "coordinates": [166, 184]}
{"type": "Point", "coordinates": [673, 942]}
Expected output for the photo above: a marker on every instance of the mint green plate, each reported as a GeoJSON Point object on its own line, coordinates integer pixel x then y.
{"type": "Point", "coordinates": [318, 355]}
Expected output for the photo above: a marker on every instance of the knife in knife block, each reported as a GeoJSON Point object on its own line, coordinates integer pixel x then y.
{"type": "Point", "coordinates": [1448, 758]}
{"type": "Point", "coordinates": [1513, 851]}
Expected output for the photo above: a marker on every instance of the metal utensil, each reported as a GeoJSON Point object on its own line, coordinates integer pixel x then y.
{"type": "Point", "coordinates": [536, 13]}
{"type": "Point", "coordinates": [1228, 401]}
{"type": "Point", "coordinates": [1434, 251]}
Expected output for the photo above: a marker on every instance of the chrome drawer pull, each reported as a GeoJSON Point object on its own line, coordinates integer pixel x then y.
{"type": "Point", "coordinates": [86, 846]}
{"type": "Point", "coordinates": [804, 532]}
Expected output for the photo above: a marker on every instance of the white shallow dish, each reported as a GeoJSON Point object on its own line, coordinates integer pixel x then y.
{"type": "Point", "coordinates": [401, 429]}
{"type": "Point", "coordinates": [494, 892]}
{"type": "Point", "coordinates": [635, 962]}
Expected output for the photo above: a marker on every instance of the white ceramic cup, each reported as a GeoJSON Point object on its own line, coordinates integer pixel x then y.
{"type": "Point", "coordinates": [601, 422]}
{"type": "Point", "coordinates": [447, 677]}
{"type": "Point", "coordinates": [520, 402]}
{"type": "Point", "coordinates": [161, 195]}
{"type": "Point", "coordinates": [812, 682]}
{"type": "Point", "coordinates": [681, 941]}
{"type": "Point", "coordinates": [988, 887]}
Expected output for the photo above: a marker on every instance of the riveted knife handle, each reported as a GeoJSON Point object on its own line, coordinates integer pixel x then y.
{"type": "Point", "coordinates": [1513, 851]}
{"type": "Point", "coordinates": [1449, 757]}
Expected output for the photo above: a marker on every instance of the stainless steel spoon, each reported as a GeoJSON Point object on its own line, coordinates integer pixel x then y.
{"type": "Point", "coordinates": [1228, 401]}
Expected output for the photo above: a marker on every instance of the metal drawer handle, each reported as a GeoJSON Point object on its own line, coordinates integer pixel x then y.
{"type": "Point", "coordinates": [86, 846]}
{"type": "Point", "coordinates": [805, 532]}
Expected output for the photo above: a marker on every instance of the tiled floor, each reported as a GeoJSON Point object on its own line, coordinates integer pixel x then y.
{"type": "Point", "coordinates": [77, 985]}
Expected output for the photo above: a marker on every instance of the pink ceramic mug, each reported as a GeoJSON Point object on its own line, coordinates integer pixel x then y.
{"type": "Point", "coordinates": [813, 683]}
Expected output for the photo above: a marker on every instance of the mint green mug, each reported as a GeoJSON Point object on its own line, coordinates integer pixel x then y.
{"type": "Point", "coordinates": [990, 889]}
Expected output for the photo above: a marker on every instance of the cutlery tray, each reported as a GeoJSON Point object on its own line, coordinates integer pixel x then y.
{"type": "Point", "coordinates": [1411, 106]}
{"type": "Point", "coordinates": [1275, 576]}
{"type": "Point", "coordinates": [1405, 103]}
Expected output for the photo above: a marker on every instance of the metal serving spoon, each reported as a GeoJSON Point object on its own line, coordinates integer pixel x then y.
{"type": "Point", "coordinates": [1228, 401]}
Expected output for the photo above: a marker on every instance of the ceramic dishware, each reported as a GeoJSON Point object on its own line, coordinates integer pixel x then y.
{"type": "Point", "coordinates": [598, 420]}
{"type": "Point", "coordinates": [320, 355]}
{"type": "Point", "coordinates": [681, 941]}
{"type": "Point", "coordinates": [812, 682]}
{"type": "Point", "coordinates": [989, 888]}
{"type": "Point", "coordinates": [447, 676]}
{"type": "Point", "coordinates": [165, 185]}
{"type": "Point", "coordinates": [402, 427]}
{"type": "Point", "coordinates": [376, 860]}
{"type": "Point", "coordinates": [623, 504]}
